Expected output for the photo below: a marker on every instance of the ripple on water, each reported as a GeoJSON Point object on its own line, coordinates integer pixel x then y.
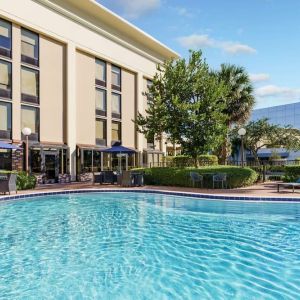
{"type": "Point", "coordinates": [148, 246]}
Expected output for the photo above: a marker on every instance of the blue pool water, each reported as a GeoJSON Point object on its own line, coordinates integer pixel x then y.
{"type": "Point", "coordinates": [148, 246]}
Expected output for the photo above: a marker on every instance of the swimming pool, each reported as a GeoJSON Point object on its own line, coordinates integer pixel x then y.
{"type": "Point", "coordinates": [148, 246]}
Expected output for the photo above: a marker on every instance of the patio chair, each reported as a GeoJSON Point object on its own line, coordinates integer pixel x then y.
{"type": "Point", "coordinates": [8, 183]}
{"type": "Point", "coordinates": [98, 178]}
{"type": "Point", "coordinates": [220, 179]}
{"type": "Point", "coordinates": [138, 178]}
{"type": "Point", "coordinates": [195, 177]}
{"type": "Point", "coordinates": [107, 177]}
{"type": "Point", "coordinates": [127, 179]}
{"type": "Point", "coordinates": [289, 184]}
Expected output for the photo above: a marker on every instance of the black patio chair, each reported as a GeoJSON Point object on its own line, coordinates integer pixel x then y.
{"type": "Point", "coordinates": [220, 179]}
{"type": "Point", "coordinates": [195, 178]}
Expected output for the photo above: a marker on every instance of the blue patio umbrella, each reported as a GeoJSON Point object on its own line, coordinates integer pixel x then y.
{"type": "Point", "coordinates": [7, 146]}
{"type": "Point", "coordinates": [119, 149]}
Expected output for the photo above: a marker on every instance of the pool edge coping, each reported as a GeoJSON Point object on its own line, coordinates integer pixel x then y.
{"type": "Point", "coordinates": [202, 196]}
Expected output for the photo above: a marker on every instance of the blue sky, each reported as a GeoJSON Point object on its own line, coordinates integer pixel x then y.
{"type": "Point", "coordinates": [261, 35]}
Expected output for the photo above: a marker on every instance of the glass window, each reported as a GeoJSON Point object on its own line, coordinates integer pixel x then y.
{"type": "Point", "coordinates": [116, 131]}
{"type": "Point", "coordinates": [100, 129]}
{"type": "Point", "coordinates": [5, 79]}
{"type": "Point", "coordinates": [5, 38]}
{"type": "Point", "coordinates": [35, 160]}
{"type": "Point", "coordinates": [5, 160]}
{"type": "Point", "coordinates": [116, 77]}
{"type": "Point", "coordinates": [116, 105]}
{"type": "Point", "coordinates": [30, 118]}
{"type": "Point", "coordinates": [96, 161]}
{"type": "Point", "coordinates": [5, 120]}
{"type": "Point", "coordinates": [149, 84]}
{"type": "Point", "coordinates": [87, 160]}
{"type": "Point", "coordinates": [100, 72]}
{"type": "Point", "coordinates": [100, 100]}
{"type": "Point", "coordinates": [30, 47]}
{"type": "Point", "coordinates": [30, 85]}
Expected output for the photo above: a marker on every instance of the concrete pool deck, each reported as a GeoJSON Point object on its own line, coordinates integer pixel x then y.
{"type": "Point", "coordinates": [260, 190]}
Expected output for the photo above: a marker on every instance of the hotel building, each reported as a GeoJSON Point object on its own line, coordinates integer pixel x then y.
{"type": "Point", "coordinates": [74, 73]}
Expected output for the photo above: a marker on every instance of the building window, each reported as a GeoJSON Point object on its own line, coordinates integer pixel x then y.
{"type": "Point", "coordinates": [35, 160]}
{"type": "Point", "coordinates": [116, 78]}
{"type": "Point", "coordinates": [87, 160]}
{"type": "Point", "coordinates": [5, 38]}
{"type": "Point", "coordinates": [30, 119]}
{"type": "Point", "coordinates": [100, 132]}
{"type": "Point", "coordinates": [5, 79]}
{"type": "Point", "coordinates": [149, 84]}
{"type": "Point", "coordinates": [116, 105]}
{"type": "Point", "coordinates": [5, 120]}
{"type": "Point", "coordinates": [5, 160]}
{"type": "Point", "coordinates": [100, 72]}
{"type": "Point", "coordinates": [30, 85]}
{"type": "Point", "coordinates": [30, 47]}
{"type": "Point", "coordinates": [116, 132]}
{"type": "Point", "coordinates": [100, 102]}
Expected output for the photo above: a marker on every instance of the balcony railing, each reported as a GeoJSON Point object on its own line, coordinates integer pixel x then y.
{"type": "Point", "coordinates": [5, 134]}
{"type": "Point", "coordinates": [30, 99]}
{"type": "Point", "coordinates": [101, 142]}
{"type": "Point", "coordinates": [30, 60]}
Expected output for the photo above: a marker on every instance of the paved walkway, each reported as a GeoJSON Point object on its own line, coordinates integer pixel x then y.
{"type": "Point", "coordinates": [260, 190]}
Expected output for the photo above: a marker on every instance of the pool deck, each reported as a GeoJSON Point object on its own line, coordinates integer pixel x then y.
{"type": "Point", "coordinates": [259, 190]}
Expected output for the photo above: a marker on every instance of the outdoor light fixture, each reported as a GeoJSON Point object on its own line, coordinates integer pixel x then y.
{"type": "Point", "coordinates": [242, 132]}
{"type": "Point", "coordinates": [27, 132]}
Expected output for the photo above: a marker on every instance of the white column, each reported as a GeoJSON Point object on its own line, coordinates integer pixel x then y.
{"type": "Point", "coordinates": [140, 109]}
{"type": "Point", "coordinates": [71, 106]}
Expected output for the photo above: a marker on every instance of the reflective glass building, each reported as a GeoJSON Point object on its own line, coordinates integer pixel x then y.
{"type": "Point", "coordinates": [288, 114]}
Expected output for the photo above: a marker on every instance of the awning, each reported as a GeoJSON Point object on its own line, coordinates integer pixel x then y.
{"type": "Point", "coordinates": [269, 154]}
{"type": "Point", "coordinates": [119, 149]}
{"type": "Point", "coordinates": [7, 146]}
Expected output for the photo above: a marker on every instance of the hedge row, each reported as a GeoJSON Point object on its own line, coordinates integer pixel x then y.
{"type": "Point", "coordinates": [188, 161]}
{"type": "Point", "coordinates": [292, 173]}
{"type": "Point", "coordinates": [237, 177]}
{"type": "Point", "coordinates": [24, 181]}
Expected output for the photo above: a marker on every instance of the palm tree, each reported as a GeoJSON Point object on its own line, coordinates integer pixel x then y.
{"type": "Point", "coordinates": [239, 100]}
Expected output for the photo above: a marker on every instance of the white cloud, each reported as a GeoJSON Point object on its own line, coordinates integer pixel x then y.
{"type": "Point", "coordinates": [184, 12]}
{"type": "Point", "coordinates": [196, 41]}
{"type": "Point", "coordinates": [204, 41]}
{"type": "Point", "coordinates": [259, 77]}
{"type": "Point", "coordinates": [236, 48]}
{"type": "Point", "coordinates": [133, 9]}
{"type": "Point", "coordinates": [277, 91]}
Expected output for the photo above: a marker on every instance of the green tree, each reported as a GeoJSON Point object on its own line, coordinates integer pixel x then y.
{"type": "Point", "coordinates": [186, 101]}
{"type": "Point", "coordinates": [239, 100]}
{"type": "Point", "coordinates": [261, 134]}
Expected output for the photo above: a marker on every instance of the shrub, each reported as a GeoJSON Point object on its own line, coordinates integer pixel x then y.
{"type": "Point", "coordinates": [188, 161]}
{"type": "Point", "coordinates": [237, 177]}
{"type": "Point", "coordinates": [207, 160]}
{"type": "Point", "coordinates": [25, 182]}
{"type": "Point", "coordinates": [292, 173]}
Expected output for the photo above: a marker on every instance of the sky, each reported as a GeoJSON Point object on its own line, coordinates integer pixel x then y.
{"type": "Point", "coordinates": [260, 35]}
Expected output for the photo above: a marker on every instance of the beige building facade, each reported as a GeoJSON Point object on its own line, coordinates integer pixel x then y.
{"type": "Point", "coordinates": [74, 73]}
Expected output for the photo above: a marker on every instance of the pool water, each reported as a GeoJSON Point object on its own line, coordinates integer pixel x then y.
{"type": "Point", "coordinates": [148, 246]}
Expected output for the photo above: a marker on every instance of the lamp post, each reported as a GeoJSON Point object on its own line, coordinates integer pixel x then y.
{"type": "Point", "coordinates": [241, 133]}
{"type": "Point", "coordinates": [27, 132]}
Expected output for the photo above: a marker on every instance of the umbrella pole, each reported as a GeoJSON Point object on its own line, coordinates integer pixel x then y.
{"type": "Point", "coordinates": [120, 165]}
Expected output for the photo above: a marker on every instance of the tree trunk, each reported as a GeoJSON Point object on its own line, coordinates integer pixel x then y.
{"type": "Point", "coordinates": [224, 147]}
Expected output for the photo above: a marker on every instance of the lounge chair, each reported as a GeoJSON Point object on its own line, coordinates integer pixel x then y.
{"type": "Point", "coordinates": [289, 184]}
{"type": "Point", "coordinates": [8, 183]}
{"type": "Point", "coordinates": [195, 177]}
{"type": "Point", "coordinates": [220, 179]}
